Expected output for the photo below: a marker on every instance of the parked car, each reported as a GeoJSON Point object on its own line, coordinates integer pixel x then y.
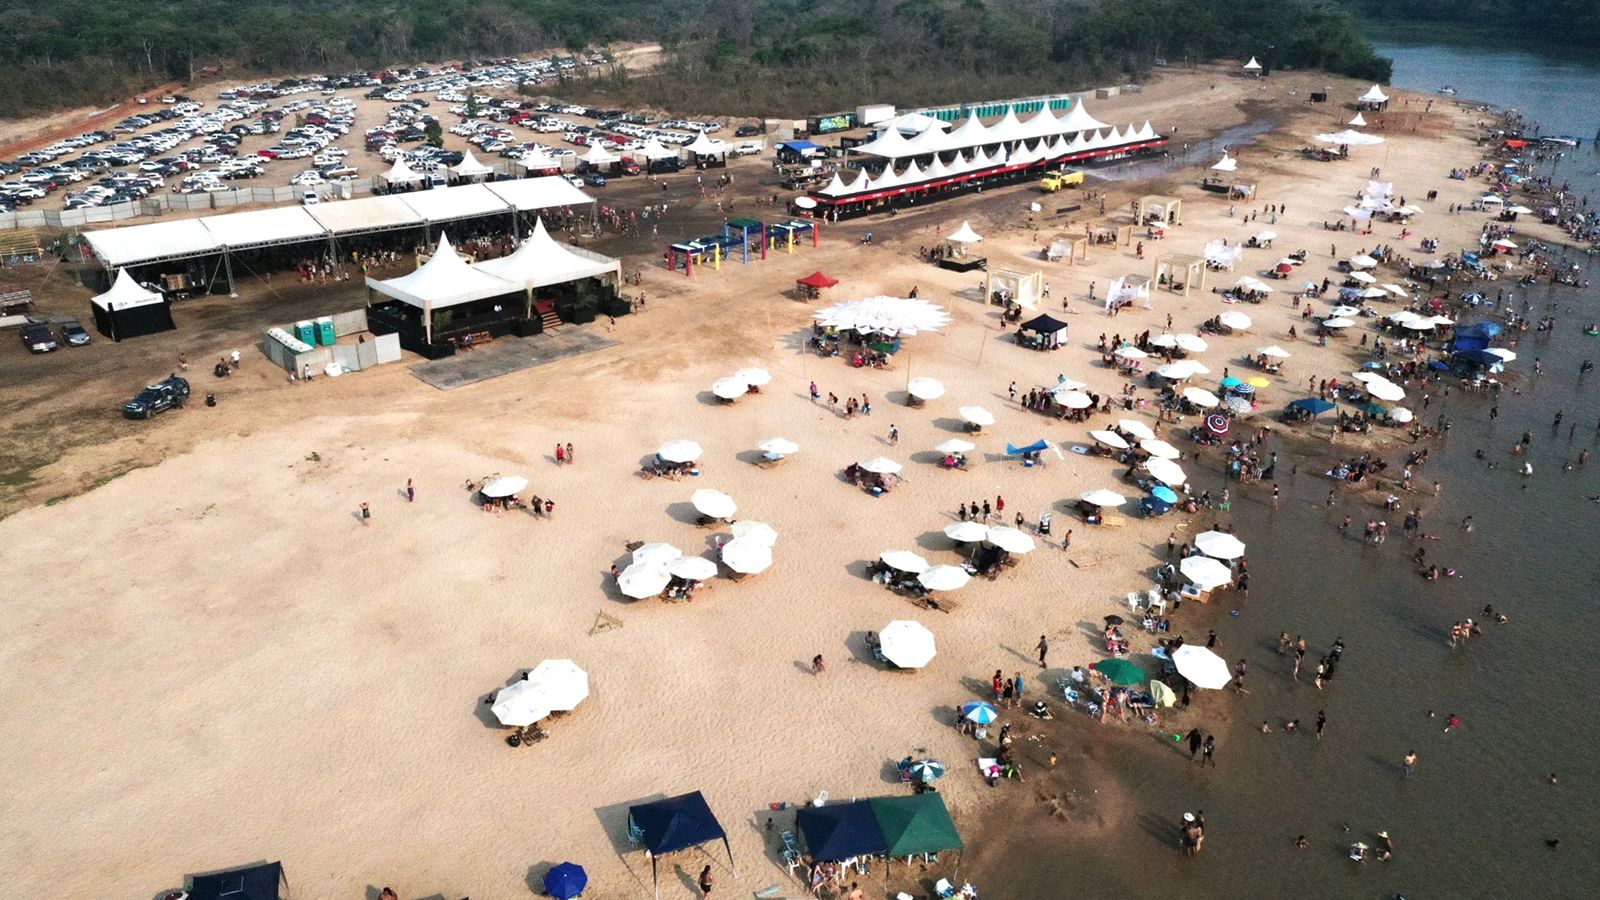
{"type": "Point", "coordinates": [747, 131]}
{"type": "Point", "coordinates": [158, 397]}
{"type": "Point", "coordinates": [573, 180]}
{"type": "Point", "coordinates": [38, 338]}
{"type": "Point", "coordinates": [595, 179]}
{"type": "Point", "coordinates": [74, 333]}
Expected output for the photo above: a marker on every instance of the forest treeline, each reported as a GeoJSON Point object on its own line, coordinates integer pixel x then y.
{"type": "Point", "coordinates": [736, 56]}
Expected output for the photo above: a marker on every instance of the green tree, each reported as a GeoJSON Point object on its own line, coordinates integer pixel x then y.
{"type": "Point", "coordinates": [433, 133]}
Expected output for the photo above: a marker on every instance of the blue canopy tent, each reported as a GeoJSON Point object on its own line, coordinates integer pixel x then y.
{"type": "Point", "coordinates": [1313, 405]}
{"type": "Point", "coordinates": [676, 823]}
{"type": "Point", "coordinates": [259, 882]}
{"type": "Point", "coordinates": [1468, 342]}
{"type": "Point", "coordinates": [841, 831]}
{"type": "Point", "coordinates": [1036, 447]}
{"type": "Point", "coordinates": [1479, 358]}
{"type": "Point", "coordinates": [1486, 329]}
{"type": "Point", "coordinates": [1158, 504]}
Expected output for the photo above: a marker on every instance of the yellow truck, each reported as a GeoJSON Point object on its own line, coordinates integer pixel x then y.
{"type": "Point", "coordinates": [1055, 181]}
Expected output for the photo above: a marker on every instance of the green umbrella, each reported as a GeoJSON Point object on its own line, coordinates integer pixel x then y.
{"type": "Point", "coordinates": [1373, 409]}
{"type": "Point", "coordinates": [1120, 671]}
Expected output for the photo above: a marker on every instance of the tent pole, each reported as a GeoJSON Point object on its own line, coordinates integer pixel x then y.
{"type": "Point", "coordinates": [227, 263]}
{"type": "Point", "coordinates": [655, 877]}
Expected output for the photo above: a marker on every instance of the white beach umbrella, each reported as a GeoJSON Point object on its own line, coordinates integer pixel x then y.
{"type": "Point", "coordinates": [907, 644]}
{"type": "Point", "coordinates": [1201, 397]}
{"type": "Point", "coordinates": [643, 580]}
{"type": "Point", "coordinates": [1337, 322]}
{"type": "Point", "coordinates": [1401, 316]}
{"type": "Point", "coordinates": [1135, 429]}
{"type": "Point", "coordinates": [519, 705]}
{"type": "Point", "coordinates": [1073, 399]}
{"type": "Point", "coordinates": [944, 578]}
{"type": "Point", "coordinates": [1203, 668]}
{"type": "Point", "coordinates": [746, 557]}
{"type": "Point", "coordinates": [1219, 545]}
{"type": "Point", "coordinates": [1165, 471]}
{"type": "Point", "coordinates": [1273, 351]}
{"type": "Point", "coordinates": [1191, 343]}
{"type": "Point", "coordinates": [693, 568]}
{"type": "Point", "coordinates": [1386, 391]}
{"type": "Point", "coordinates": [1164, 340]}
{"type": "Point", "coordinates": [977, 415]}
{"type": "Point", "coordinates": [1363, 277]}
{"type": "Point", "coordinates": [1362, 261]}
{"type": "Point", "coordinates": [1441, 320]}
{"type": "Point", "coordinates": [1160, 449]}
{"type": "Point", "coordinates": [679, 451]}
{"type": "Point", "coordinates": [880, 465]}
{"type": "Point", "coordinates": [955, 445]}
{"type": "Point", "coordinates": [1129, 352]}
{"type": "Point", "coordinates": [925, 388]}
{"type": "Point", "coordinates": [885, 315]}
{"type": "Point", "coordinates": [1063, 383]}
{"type": "Point", "coordinates": [1250, 282]}
{"type": "Point", "coordinates": [1344, 311]}
{"type": "Point", "coordinates": [1365, 377]}
{"type": "Point", "coordinates": [1401, 414]}
{"type": "Point", "coordinates": [778, 446]}
{"type": "Point", "coordinates": [713, 503]}
{"type": "Point", "coordinates": [1177, 371]}
{"type": "Point", "coordinates": [1505, 355]}
{"type": "Point", "coordinates": [729, 388]}
{"type": "Point", "coordinates": [1418, 324]}
{"type": "Point", "coordinates": [1238, 321]}
{"type": "Point", "coordinates": [656, 554]}
{"type": "Point", "coordinates": [904, 561]}
{"type": "Point", "coordinates": [1205, 572]}
{"type": "Point", "coordinates": [1011, 539]}
{"type": "Point", "coordinates": [562, 684]}
{"type": "Point", "coordinates": [1103, 497]}
{"type": "Point", "coordinates": [754, 376]}
{"type": "Point", "coordinates": [966, 532]}
{"type": "Point", "coordinates": [1374, 293]}
{"type": "Point", "coordinates": [1110, 439]}
{"type": "Point", "coordinates": [751, 530]}
{"type": "Point", "coordinates": [508, 486]}
{"type": "Point", "coordinates": [1265, 237]}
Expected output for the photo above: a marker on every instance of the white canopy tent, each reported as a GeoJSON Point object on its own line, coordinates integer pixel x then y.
{"type": "Point", "coordinates": [264, 227]}
{"type": "Point", "coordinates": [534, 194]}
{"type": "Point", "coordinates": [469, 167]}
{"type": "Point", "coordinates": [1226, 163]}
{"type": "Point", "coordinates": [443, 281]}
{"type": "Point", "coordinates": [542, 261]}
{"type": "Point", "coordinates": [462, 202]}
{"type": "Point", "coordinates": [1374, 94]}
{"type": "Point", "coordinates": [1252, 65]}
{"type": "Point", "coordinates": [705, 146]}
{"type": "Point", "coordinates": [1350, 137]}
{"type": "Point", "coordinates": [598, 155]}
{"type": "Point", "coordinates": [365, 215]}
{"type": "Point", "coordinates": [401, 173]}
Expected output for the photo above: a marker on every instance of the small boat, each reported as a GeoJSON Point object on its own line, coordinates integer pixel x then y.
{"type": "Point", "coordinates": [1447, 89]}
{"type": "Point", "coordinates": [1563, 140]}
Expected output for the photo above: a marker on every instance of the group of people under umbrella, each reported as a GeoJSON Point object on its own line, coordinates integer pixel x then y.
{"type": "Point", "coordinates": [745, 381]}
{"type": "Point", "coordinates": [554, 687]}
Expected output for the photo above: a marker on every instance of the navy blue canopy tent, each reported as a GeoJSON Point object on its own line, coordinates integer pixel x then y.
{"type": "Point", "coordinates": [841, 831]}
{"type": "Point", "coordinates": [258, 882]}
{"type": "Point", "coordinates": [1312, 405]}
{"type": "Point", "coordinates": [1467, 342]}
{"type": "Point", "coordinates": [1485, 329]}
{"type": "Point", "coordinates": [676, 823]}
{"type": "Point", "coordinates": [1479, 357]}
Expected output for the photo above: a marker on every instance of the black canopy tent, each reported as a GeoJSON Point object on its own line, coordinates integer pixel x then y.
{"type": "Point", "coordinates": [676, 823]}
{"type": "Point", "coordinates": [1048, 329]}
{"type": "Point", "coordinates": [258, 882]}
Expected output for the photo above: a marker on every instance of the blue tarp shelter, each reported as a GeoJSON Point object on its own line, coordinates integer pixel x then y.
{"type": "Point", "coordinates": [249, 883]}
{"type": "Point", "coordinates": [800, 148]}
{"type": "Point", "coordinates": [673, 824]}
{"type": "Point", "coordinates": [841, 831]}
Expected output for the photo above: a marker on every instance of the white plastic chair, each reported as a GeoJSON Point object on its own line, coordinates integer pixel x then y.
{"type": "Point", "coordinates": [1134, 599]}
{"type": "Point", "coordinates": [944, 888]}
{"type": "Point", "coordinates": [822, 799]}
{"type": "Point", "coordinates": [1155, 601]}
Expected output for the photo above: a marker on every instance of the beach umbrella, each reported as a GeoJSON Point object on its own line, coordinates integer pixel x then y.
{"type": "Point", "coordinates": [565, 881]}
{"type": "Point", "coordinates": [679, 451]}
{"type": "Point", "coordinates": [1177, 371]}
{"type": "Point", "coordinates": [508, 486]}
{"type": "Point", "coordinates": [1164, 340]}
{"type": "Point", "coordinates": [1203, 668]}
{"type": "Point", "coordinates": [1217, 424]}
{"type": "Point", "coordinates": [713, 503]}
{"type": "Point", "coordinates": [1373, 409]}
{"type": "Point", "coordinates": [1129, 351]}
{"type": "Point", "coordinates": [1103, 497]}
{"type": "Point", "coordinates": [907, 644]}
{"type": "Point", "coordinates": [519, 705]}
{"type": "Point", "coordinates": [1396, 290]}
{"type": "Point", "coordinates": [1165, 471]}
{"type": "Point", "coordinates": [562, 684]}
{"type": "Point", "coordinates": [1284, 266]}
{"type": "Point", "coordinates": [925, 388]}
{"type": "Point", "coordinates": [978, 711]}
{"type": "Point", "coordinates": [889, 316]}
{"type": "Point", "coordinates": [1418, 324]}
{"type": "Point", "coordinates": [1313, 405]}
{"type": "Point", "coordinates": [1120, 671]}
{"type": "Point", "coordinates": [759, 532]}
{"type": "Point", "coordinates": [1010, 539]}
{"type": "Point", "coordinates": [1238, 406]}
{"type": "Point", "coordinates": [1230, 382]}
{"type": "Point", "coordinates": [926, 770]}
{"type": "Point", "coordinates": [1504, 244]}
{"type": "Point", "coordinates": [1197, 367]}
{"type": "Point", "coordinates": [1401, 414]}
{"type": "Point", "coordinates": [729, 388]}
{"type": "Point", "coordinates": [1109, 438]}
{"type": "Point", "coordinates": [1219, 544]}
{"type": "Point", "coordinates": [1374, 293]}
{"type": "Point", "coordinates": [1365, 377]}
{"type": "Point", "coordinates": [955, 445]}
{"type": "Point", "coordinates": [1250, 282]}
{"type": "Point", "coordinates": [1160, 449]}
{"type": "Point", "coordinates": [1257, 382]}
{"type": "Point", "coordinates": [966, 532]}
{"type": "Point", "coordinates": [778, 446]}
{"type": "Point", "coordinates": [1114, 619]}
{"type": "Point", "coordinates": [880, 465]}
{"type": "Point", "coordinates": [1191, 343]}
{"type": "Point", "coordinates": [1344, 311]}
{"type": "Point", "coordinates": [756, 377]}
{"type": "Point", "coordinates": [1362, 261]}
{"type": "Point", "coordinates": [1337, 322]}
{"type": "Point", "coordinates": [693, 568]}
{"type": "Point", "coordinates": [977, 415]}
{"type": "Point", "coordinates": [1135, 429]}
{"type": "Point", "coordinates": [1362, 277]}
{"type": "Point", "coordinates": [1273, 351]}
{"type": "Point", "coordinates": [1400, 316]}
{"type": "Point", "coordinates": [1505, 355]}
{"type": "Point", "coordinates": [1162, 695]}
{"type": "Point", "coordinates": [1266, 237]}
{"type": "Point", "coordinates": [1073, 399]}
{"type": "Point", "coordinates": [944, 578]}
{"type": "Point", "coordinates": [643, 580]}
{"type": "Point", "coordinates": [654, 554]}
{"type": "Point", "coordinates": [1238, 321]}
{"type": "Point", "coordinates": [1200, 397]}
{"type": "Point", "coordinates": [1441, 320]}
{"type": "Point", "coordinates": [1205, 572]}
{"type": "Point", "coordinates": [1386, 390]}
{"type": "Point", "coordinates": [1164, 494]}
{"type": "Point", "coordinates": [904, 561]}
{"type": "Point", "coordinates": [1063, 383]}
{"type": "Point", "coordinates": [746, 557]}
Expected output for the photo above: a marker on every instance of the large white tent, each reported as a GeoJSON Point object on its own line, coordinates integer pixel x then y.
{"type": "Point", "coordinates": [365, 215]}
{"type": "Point", "coordinates": [445, 280]}
{"type": "Point", "coordinates": [264, 227]}
{"type": "Point", "coordinates": [542, 260]}
{"type": "Point", "coordinates": [464, 202]}
{"type": "Point", "coordinates": [401, 173]}
{"type": "Point", "coordinates": [135, 244]}
{"type": "Point", "coordinates": [1374, 94]}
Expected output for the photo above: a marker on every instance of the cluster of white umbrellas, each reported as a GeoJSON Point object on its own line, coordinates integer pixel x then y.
{"type": "Point", "coordinates": [1189, 343]}
{"type": "Point", "coordinates": [931, 577]}
{"type": "Point", "coordinates": [1182, 370]}
{"type": "Point", "coordinates": [655, 565]}
{"type": "Point", "coordinates": [889, 316]}
{"type": "Point", "coordinates": [555, 685]}
{"type": "Point", "coordinates": [1166, 471]}
{"type": "Point", "coordinates": [739, 383]}
{"type": "Point", "coordinates": [1380, 387]}
{"type": "Point", "coordinates": [750, 551]}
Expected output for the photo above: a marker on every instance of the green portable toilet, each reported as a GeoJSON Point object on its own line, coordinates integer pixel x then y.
{"type": "Point", "coordinates": [306, 332]}
{"type": "Point", "coordinates": [325, 335]}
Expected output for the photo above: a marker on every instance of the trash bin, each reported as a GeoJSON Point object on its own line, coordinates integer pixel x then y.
{"type": "Point", "coordinates": [325, 335]}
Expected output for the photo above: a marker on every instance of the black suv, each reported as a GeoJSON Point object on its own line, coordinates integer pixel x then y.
{"type": "Point", "coordinates": [157, 397]}
{"type": "Point", "coordinates": [747, 131]}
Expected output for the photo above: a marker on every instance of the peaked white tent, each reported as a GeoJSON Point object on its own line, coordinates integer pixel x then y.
{"type": "Point", "coordinates": [965, 234]}
{"type": "Point", "coordinates": [1252, 65]}
{"type": "Point", "coordinates": [443, 281]}
{"type": "Point", "coordinates": [469, 167]}
{"type": "Point", "coordinates": [1078, 119]}
{"type": "Point", "coordinates": [538, 159]}
{"type": "Point", "coordinates": [130, 309]}
{"type": "Point", "coordinates": [1374, 94]}
{"type": "Point", "coordinates": [1359, 121]}
{"type": "Point", "coordinates": [400, 173]}
{"type": "Point", "coordinates": [914, 123]}
{"type": "Point", "coordinates": [888, 143]}
{"type": "Point", "coordinates": [598, 155]}
{"type": "Point", "coordinates": [705, 146]}
{"type": "Point", "coordinates": [1226, 163]}
{"type": "Point", "coordinates": [542, 260]}
{"type": "Point", "coordinates": [654, 149]}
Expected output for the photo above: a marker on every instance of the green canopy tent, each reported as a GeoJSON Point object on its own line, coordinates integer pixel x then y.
{"type": "Point", "coordinates": [916, 824]}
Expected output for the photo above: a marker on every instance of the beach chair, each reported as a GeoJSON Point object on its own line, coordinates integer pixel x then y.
{"type": "Point", "coordinates": [1134, 599]}
{"type": "Point", "coordinates": [791, 851]}
{"type": "Point", "coordinates": [635, 833]}
{"type": "Point", "coordinates": [821, 800]}
{"type": "Point", "coordinates": [944, 888]}
{"type": "Point", "coordinates": [1155, 602]}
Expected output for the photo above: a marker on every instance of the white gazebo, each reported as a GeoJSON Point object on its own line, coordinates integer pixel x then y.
{"type": "Point", "coordinates": [542, 261]}
{"type": "Point", "coordinates": [1374, 96]}
{"type": "Point", "coordinates": [706, 151]}
{"type": "Point", "coordinates": [443, 282]}
{"type": "Point", "coordinates": [401, 173]}
{"type": "Point", "coordinates": [469, 168]}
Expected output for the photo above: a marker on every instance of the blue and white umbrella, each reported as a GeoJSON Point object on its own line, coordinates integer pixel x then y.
{"type": "Point", "coordinates": [926, 770]}
{"type": "Point", "coordinates": [980, 712]}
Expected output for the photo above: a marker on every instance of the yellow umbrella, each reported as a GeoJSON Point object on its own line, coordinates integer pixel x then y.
{"type": "Point", "coordinates": [1257, 381]}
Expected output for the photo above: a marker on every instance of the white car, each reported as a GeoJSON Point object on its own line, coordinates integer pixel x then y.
{"type": "Point", "coordinates": [308, 178]}
{"type": "Point", "coordinates": [573, 180]}
{"type": "Point", "coordinates": [309, 197]}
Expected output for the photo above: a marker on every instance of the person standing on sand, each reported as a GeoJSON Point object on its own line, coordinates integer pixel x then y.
{"type": "Point", "coordinates": [571, 458]}
{"type": "Point", "coordinates": [411, 492]}
{"type": "Point", "coordinates": [561, 455]}
{"type": "Point", "coordinates": [816, 669]}
{"type": "Point", "coordinates": [1195, 741]}
{"type": "Point", "coordinates": [705, 882]}
{"type": "Point", "coordinates": [1322, 723]}
{"type": "Point", "coordinates": [1172, 543]}
{"type": "Point", "coordinates": [816, 393]}
{"type": "Point", "coordinates": [366, 514]}
{"type": "Point", "coordinates": [1208, 748]}
{"type": "Point", "coordinates": [1043, 648]}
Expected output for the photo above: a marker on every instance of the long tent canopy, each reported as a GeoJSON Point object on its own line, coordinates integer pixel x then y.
{"type": "Point", "coordinates": [972, 133]}
{"type": "Point", "coordinates": [891, 826]}
{"type": "Point", "coordinates": [542, 260]}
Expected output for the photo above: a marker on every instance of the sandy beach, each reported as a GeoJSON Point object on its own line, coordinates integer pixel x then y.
{"type": "Point", "coordinates": [222, 663]}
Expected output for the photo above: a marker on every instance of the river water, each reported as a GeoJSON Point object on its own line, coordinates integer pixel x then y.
{"type": "Point", "coordinates": [1474, 819]}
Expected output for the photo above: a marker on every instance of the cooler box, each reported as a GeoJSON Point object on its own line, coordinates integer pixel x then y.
{"type": "Point", "coordinates": [306, 331]}
{"type": "Point", "coordinates": [325, 335]}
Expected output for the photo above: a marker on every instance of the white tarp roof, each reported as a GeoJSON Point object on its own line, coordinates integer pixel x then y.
{"type": "Point", "coordinates": [365, 214]}
{"type": "Point", "coordinates": [541, 260]}
{"type": "Point", "coordinates": [459, 202]}
{"type": "Point", "coordinates": [444, 280]}
{"type": "Point", "coordinates": [538, 158]}
{"type": "Point", "coordinates": [158, 240]}
{"type": "Point", "coordinates": [836, 186]}
{"type": "Point", "coordinates": [1353, 138]}
{"type": "Point", "coordinates": [970, 133]}
{"type": "Point", "coordinates": [1374, 94]}
{"type": "Point", "coordinates": [469, 166]}
{"type": "Point", "coordinates": [532, 194]}
{"type": "Point", "coordinates": [705, 146]}
{"type": "Point", "coordinates": [1219, 254]}
{"type": "Point", "coordinates": [126, 293]}
{"type": "Point", "coordinates": [261, 227]}
{"type": "Point", "coordinates": [888, 143]}
{"type": "Point", "coordinates": [917, 123]}
{"type": "Point", "coordinates": [1009, 128]}
{"type": "Point", "coordinates": [654, 149]}
{"type": "Point", "coordinates": [400, 173]}
{"type": "Point", "coordinates": [1078, 119]}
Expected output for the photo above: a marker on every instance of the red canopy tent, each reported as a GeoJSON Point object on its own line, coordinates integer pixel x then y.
{"type": "Point", "coordinates": [811, 286]}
